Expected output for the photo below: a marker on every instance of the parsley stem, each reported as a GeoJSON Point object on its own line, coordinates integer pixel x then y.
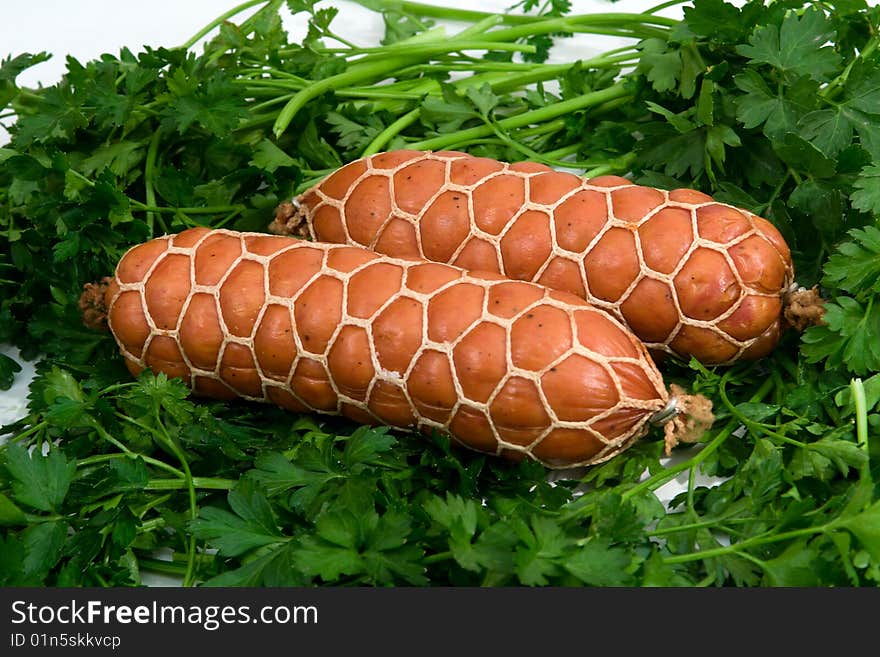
{"type": "Point", "coordinates": [439, 556]}
{"type": "Point", "coordinates": [373, 68]}
{"type": "Point", "coordinates": [161, 566]}
{"type": "Point", "coordinates": [738, 547]}
{"type": "Point", "coordinates": [833, 87]}
{"type": "Point", "coordinates": [391, 130]}
{"type": "Point", "coordinates": [34, 519]}
{"type": "Point", "coordinates": [27, 432]}
{"type": "Point", "coordinates": [225, 220]}
{"type": "Point", "coordinates": [610, 59]}
{"type": "Point", "coordinates": [332, 35]}
{"type": "Point", "coordinates": [390, 58]}
{"type": "Point", "coordinates": [504, 138]}
{"type": "Point", "coordinates": [665, 5]}
{"type": "Point", "coordinates": [785, 361]}
{"type": "Point", "coordinates": [776, 191]}
{"type": "Point", "coordinates": [702, 524]}
{"type": "Point", "coordinates": [223, 18]}
{"type": "Point", "coordinates": [205, 483]}
{"type": "Point", "coordinates": [561, 153]}
{"type": "Point", "coordinates": [572, 25]}
{"type": "Point", "coordinates": [420, 49]}
{"type": "Point", "coordinates": [158, 500]}
{"type": "Point", "coordinates": [101, 458]}
{"type": "Point", "coordinates": [149, 176]}
{"type": "Point", "coordinates": [861, 408]}
{"type": "Point", "coordinates": [115, 387]}
{"type": "Point", "coordinates": [160, 434]}
{"type": "Point", "coordinates": [354, 74]}
{"type": "Point", "coordinates": [760, 427]}
{"type": "Point", "coordinates": [662, 477]}
{"type": "Point", "coordinates": [691, 464]}
{"type": "Point", "coordinates": [211, 209]}
{"type": "Point", "coordinates": [539, 115]}
{"type": "Point", "coordinates": [151, 525]}
{"type": "Point", "coordinates": [618, 165]}
{"type": "Point", "coordinates": [105, 435]}
{"type": "Point", "coordinates": [78, 175]}
{"type": "Point", "coordinates": [175, 565]}
{"type": "Point", "coordinates": [470, 15]}
{"type": "Point", "coordinates": [498, 81]}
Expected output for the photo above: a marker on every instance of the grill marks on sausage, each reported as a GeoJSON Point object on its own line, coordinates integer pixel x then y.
{"type": "Point", "coordinates": [635, 251]}
{"type": "Point", "coordinates": [505, 367]}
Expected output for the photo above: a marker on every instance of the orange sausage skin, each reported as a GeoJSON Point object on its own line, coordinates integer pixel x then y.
{"type": "Point", "coordinates": [503, 367]}
{"type": "Point", "coordinates": [688, 275]}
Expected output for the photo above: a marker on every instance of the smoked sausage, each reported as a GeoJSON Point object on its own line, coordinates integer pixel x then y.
{"type": "Point", "coordinates": [503, 367]}
{"type": "Point", "coordinates": [690, 276]}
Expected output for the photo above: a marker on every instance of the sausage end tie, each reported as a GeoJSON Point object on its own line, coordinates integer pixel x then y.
{"type": "Point", "coordinates": [685, 417]}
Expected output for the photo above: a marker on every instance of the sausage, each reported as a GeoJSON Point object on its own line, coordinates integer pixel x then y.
{"type": "Point", "coordinates": [690, 276]}
{"type": "Point", "coordinates": [503, 367]}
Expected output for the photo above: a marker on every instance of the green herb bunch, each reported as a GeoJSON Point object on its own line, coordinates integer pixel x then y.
{"type": "Point", "coordinates": [773, 107]}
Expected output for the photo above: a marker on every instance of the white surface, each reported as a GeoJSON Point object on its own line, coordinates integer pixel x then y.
{"type": "Point", "coordinates": [13, 402]}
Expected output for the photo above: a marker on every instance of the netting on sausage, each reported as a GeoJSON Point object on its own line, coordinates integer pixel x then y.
{"type": "Point", "coordinates": [689, 275]}
{"type": "Point", "coordinates": [388, 363]}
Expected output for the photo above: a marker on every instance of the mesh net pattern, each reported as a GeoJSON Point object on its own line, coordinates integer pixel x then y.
{"type": "Point", "coordinates": [744, 250]}
{"type": "Point", "coordinates": [396, 390]}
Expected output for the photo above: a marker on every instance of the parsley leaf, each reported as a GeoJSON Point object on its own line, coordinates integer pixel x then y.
{"type": "Point", "coordinates": [276, 567]}
{"type": "Point", "coordinates": [8, 368]}
{"type": "Point", "coordinates": [854, 267]}
{"type": "Point", "coordinates": [10, 514]}
{"type": "Point", "coordinates": [849, 338]}
{"type": "Point", "coordinates": [866, 190]}
{"type": "Point", "coordinates": [799, 45]}
{"type": "Point", "coordinates": [250, 524]}
{"type": "Point", "coordinates": [367, 545]}
{"type": "Point", "coordinates": [714, 19]}
{"type": "Point", "coordinates": [865, 526]}
{"type": "Point", "coordinates": [38, 481]}
{"type": "Point", "coordinates": [43, 545]}
{"type": "Point", "coordinates": [778, 113]}
{"type": "Point", "coordinates": [599, 563]}
{"type": "Point", "coordinates": [795, 566]}
{"type": "Point", "coordinates": [211, 104]}
{"type": "Point", "coordinates": [662, 67]}
{"type": "Point", "coordinates": [543, 545]}
{"type": "Point", "coordinates": [459, 519]}
{"type": "Point", "coordinates": [58, 116]}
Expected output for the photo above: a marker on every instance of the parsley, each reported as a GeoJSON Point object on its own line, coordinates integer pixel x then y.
{"type": "Point", "coordinates": [40, 482]}
{"type": "Point", "coordinates": [866, 190]}
{"type": "Point", "coordinates": [799, 45]}
{"type": "Point", "coordinates": [855, 266]}
{"type": "Point", "coordinates": [850, 337]}
{"type": "Point", "coordinates": [8, 369]}
{"type": "Point", "coordinates": [106, 479]}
